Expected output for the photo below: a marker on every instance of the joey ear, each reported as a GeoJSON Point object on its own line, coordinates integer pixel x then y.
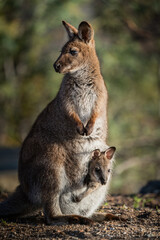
{"type": "Point", "coordinates": [110, 152]}
{"type": "Point", "coordinates": [71, 31]}
{"type": "Point", "coordinates": [96, 153]}
{"type": "Point", "coordinates": [85, 32]}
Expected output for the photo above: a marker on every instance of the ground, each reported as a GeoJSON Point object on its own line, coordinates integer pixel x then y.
{"type": "Point", "coordinates": [142, 213]}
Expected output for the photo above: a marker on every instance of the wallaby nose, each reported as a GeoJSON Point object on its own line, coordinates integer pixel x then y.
{"type": "Point", "coordinates": [57, 66]}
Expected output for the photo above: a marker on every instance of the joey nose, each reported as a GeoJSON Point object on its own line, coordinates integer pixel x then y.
{"type": "Point", "coordinates": [57, 67]}
{"type": "Point", "coordinates": [103, 181]}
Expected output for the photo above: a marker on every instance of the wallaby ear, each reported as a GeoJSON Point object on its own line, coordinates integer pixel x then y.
{"type": "Point", "coordinates": [85, 32]}
{"type": "Point", "coordinates": [110, 152]}
{"type": "Point", "coordinates": [71, 31]}
{"type": "Point", "coordinates": [96, 153]}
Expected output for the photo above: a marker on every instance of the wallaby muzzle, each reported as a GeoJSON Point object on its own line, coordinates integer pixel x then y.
{"type": "Point", "coordinates": [57, 66]}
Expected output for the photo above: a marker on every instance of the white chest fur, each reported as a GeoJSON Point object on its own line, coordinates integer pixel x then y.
{"type": "Point", "coordinates": [84, 98]}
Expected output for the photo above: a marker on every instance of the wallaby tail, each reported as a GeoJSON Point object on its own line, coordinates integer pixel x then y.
{"type": "Point", "coordinates": [16, 205]}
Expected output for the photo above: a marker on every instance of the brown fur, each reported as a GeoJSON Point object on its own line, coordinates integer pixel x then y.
{"type": "Point", "coordinates": [54, 156]}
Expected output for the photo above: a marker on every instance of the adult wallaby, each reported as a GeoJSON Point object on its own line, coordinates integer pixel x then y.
{"type": "Point", "coordinates": [99, 170]}
{"type": "Point", "coordinates": [54, 156]}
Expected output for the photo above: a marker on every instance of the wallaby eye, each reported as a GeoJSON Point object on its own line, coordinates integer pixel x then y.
{"type": "Point", "coordinates": [73, 52]}
{"type": "Point", "coordinates": [109, 170]}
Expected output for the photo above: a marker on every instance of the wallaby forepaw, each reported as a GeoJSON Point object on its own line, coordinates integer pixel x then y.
{"type": "Point", "coordinates": [88, 129]}
{"type": "Point", "coordinates": [81, 130]}
{"type": "Point", "coordinates": [85, 130]}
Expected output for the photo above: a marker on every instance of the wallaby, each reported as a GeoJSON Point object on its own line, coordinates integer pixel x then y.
{"type": "Point", "coordinates": [54, 156]}
{"type": "Point", "coordinates": [98, 171]}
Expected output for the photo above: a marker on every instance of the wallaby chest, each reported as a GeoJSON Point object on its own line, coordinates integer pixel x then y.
{"type": "Point", "coordinates": [83, 97]}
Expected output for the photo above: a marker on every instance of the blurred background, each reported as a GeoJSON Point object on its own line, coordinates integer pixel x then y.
{"type": "Point", "coordinates": [127, 37]}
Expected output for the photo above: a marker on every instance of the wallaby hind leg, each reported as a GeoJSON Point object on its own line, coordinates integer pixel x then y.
{"type": "Point", "coordinates": [100, 217]}
{"type": "Point", "coordinates": [17, 204]}
{"type": "Point", "coordinates": [54, 216]}
{"type": "Point", "coordinates": [51, 208]}
{"type": "Point", "coordinates": [71, 219]}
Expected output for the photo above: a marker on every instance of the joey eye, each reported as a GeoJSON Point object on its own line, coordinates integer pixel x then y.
{"type": "Point", "coordinates": [73, 52]}
{"type": "Point", "coordinates": [97, 170]}
{"type": "Point", "coordinates": [109, 170]}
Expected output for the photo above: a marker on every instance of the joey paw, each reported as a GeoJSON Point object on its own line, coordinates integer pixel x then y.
{"type": "Point", "coordinates": [76, 198]}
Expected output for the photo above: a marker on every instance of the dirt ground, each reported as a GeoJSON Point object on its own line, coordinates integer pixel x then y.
{"type": "Point", "coordinates": [141, 211]}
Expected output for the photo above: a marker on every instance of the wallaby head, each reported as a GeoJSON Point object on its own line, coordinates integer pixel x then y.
{"type": "Point", "coordinates": [78, 51]}
{"type": "Point", "coordinates": [99, 167]}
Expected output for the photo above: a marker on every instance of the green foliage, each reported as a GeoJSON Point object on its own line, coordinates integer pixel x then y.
{"type": "Point", "coordinates": [140, 202]}
{"type": "Point", "coordinates": [106, 204]}
{"type": "Point", "coordinates": [137, 202]}
{"type": "Point", "coordinates": [158, 210]}
{"type": "Point", "coordinates": [4, 223]}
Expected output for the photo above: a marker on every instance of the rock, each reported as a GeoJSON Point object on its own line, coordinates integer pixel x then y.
{"type": "Point", "coordinates": [151, 187]}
